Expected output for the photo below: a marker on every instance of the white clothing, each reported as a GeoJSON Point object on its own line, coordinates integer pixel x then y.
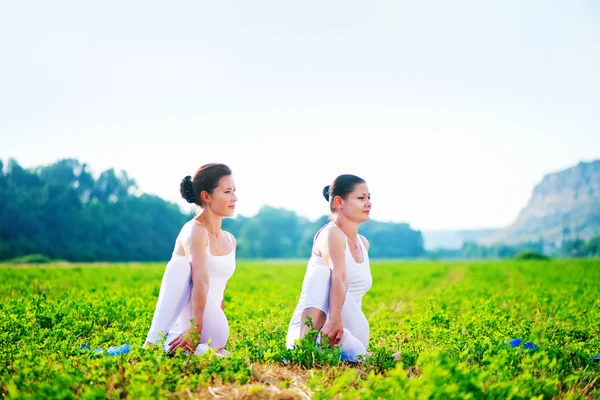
{"type": "Point", "coordinates": [315, 294]}
{"type": "Point", "coordinates": [173, 312]}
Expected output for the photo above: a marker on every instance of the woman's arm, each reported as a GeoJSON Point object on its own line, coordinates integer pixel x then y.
{"type": "Point", "coordinates": [195, 247]}
{"type": "Point", "coordinates": [334, 257]}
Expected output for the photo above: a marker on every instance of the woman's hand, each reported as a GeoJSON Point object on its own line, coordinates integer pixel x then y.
{"type": "Point", "coordinates": [187, 341]}
{"type": "Point", "coordinates": [333, 330]}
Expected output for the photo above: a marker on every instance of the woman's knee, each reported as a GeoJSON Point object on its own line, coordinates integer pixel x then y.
{"type": "Point", "coordinates": [351, 347]}
{"type": "Point", "coordinates": [215, 328]}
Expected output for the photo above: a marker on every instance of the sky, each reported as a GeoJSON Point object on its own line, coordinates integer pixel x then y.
{"type": "Point", "coordinates": [451, 111]}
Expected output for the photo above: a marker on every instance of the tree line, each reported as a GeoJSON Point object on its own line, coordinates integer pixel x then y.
{"type": "Point", "coordinates": [63, 211]}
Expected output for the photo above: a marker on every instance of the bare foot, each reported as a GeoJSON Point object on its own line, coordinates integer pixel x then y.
{"type": "Point", "coordinates": [397, 356]}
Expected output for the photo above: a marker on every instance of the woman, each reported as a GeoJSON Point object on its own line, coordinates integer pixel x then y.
{"type": "Point", "coordinates": [338, 273]}
{"type": "Point", "coordinates": [189, 310]}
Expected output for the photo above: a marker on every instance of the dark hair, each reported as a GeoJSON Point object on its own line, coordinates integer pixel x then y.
{"type": "Point", "coordinates": [342, 186]}
{"type": "Point", "coordinates": [206, 179]}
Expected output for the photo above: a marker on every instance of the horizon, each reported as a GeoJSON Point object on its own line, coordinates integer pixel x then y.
{"type": "Point", "coordinates": [452, 113]}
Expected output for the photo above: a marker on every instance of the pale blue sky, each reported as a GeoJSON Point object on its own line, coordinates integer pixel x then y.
{"type": "Point", "coordinates": [452, 111]}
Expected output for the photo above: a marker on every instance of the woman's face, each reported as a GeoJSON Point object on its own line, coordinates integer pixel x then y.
{"type": "Point", "coordinates": [222, 200]}
{"type": "Point", "coordinates": [357, 205]}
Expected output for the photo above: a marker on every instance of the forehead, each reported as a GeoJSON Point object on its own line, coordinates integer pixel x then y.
{"type": "Point", "coordinates": [226, 181]}
{"type": "Point", "coordinates": [361, 188]}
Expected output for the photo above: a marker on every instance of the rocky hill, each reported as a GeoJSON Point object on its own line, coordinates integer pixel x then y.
{"type": "Point", "coordinates": [564, 206]}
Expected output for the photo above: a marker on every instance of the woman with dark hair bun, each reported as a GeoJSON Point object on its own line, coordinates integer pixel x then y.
{"type": "Point", "coordinates": [190, 307]}
{"type": "Point", "coordinates": [338, 273]}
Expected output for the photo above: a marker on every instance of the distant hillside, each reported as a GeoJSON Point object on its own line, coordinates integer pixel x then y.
{"type": "Point", "coordinates": [454, 240]}
{"type": "Point", "coordinates": [564, 206]}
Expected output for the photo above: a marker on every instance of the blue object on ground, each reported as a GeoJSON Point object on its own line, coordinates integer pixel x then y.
{"type": "Point", "coordinates": [347, 357]}
{"type": "Point", "coordinates": [531, 346]}
{"type": "Point", "coordinates": [111, 351]}
{"type": "Point", "coordinates": [118, 350]}
{"type": "Point", "coordinates": [597, 358]}
{"type": "Point", "coordinates": [514, 342]}
{"type": "Point", "coordinates": [518, 341]}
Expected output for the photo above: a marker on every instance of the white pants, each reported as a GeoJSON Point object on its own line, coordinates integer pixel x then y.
{"type": "Point", "coordinates": [173, 310]}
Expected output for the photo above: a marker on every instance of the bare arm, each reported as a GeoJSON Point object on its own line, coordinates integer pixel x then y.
{"type": "Point", "coordinates": [334, 257]}
{"type": "Point", "coordinates": [195, 248]}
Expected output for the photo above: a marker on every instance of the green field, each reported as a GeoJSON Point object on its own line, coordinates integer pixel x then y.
{"type": "Point", "coordinates": [448, 319]}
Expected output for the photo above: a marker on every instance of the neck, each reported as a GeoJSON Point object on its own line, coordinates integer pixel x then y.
{"type": "Point", "coordinates": [349, 227]}
{"type": "Point", "coordinates": [211, 221]}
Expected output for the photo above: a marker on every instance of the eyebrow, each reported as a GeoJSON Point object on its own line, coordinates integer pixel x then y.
{"type": "Point", "coordinates": [229, 188]}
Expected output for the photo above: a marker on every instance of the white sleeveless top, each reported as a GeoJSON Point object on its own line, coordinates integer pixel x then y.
{"type": "Point", "coordinates": [315, 287]}
{"type": "Point", "coordinates": [220, 269]}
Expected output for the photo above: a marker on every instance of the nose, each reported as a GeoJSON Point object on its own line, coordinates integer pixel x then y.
{"type": "Point", "coordinates": [234, 197]}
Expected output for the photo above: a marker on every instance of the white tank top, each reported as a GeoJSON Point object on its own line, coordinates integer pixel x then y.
{"type": "Point", "coordinates": [315, 287]}
{"type": "Point", "coordinates": [220, 269]}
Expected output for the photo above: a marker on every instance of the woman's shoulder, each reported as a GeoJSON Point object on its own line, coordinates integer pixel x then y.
{"type": "Point", "coordinates": [332, 234]}
{"type": "Point", "coordinates": [193, 230]}
{"type": "Point", "coordinates": [230, 236]}
{"type": "Point", "coordinates": [365, 241]}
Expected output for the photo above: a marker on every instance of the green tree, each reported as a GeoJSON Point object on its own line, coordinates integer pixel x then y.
{"type": "Point", "coordinates": [61, 211]}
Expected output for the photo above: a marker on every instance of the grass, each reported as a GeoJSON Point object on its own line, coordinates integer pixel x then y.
{"type": "Point", "coordinates": [449, 320]}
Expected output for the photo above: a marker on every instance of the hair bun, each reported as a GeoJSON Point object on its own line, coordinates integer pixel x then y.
{"type": "Point", "coordinates": [326, 192]}
{"type": "Point", "coordinates": [187, 190]}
